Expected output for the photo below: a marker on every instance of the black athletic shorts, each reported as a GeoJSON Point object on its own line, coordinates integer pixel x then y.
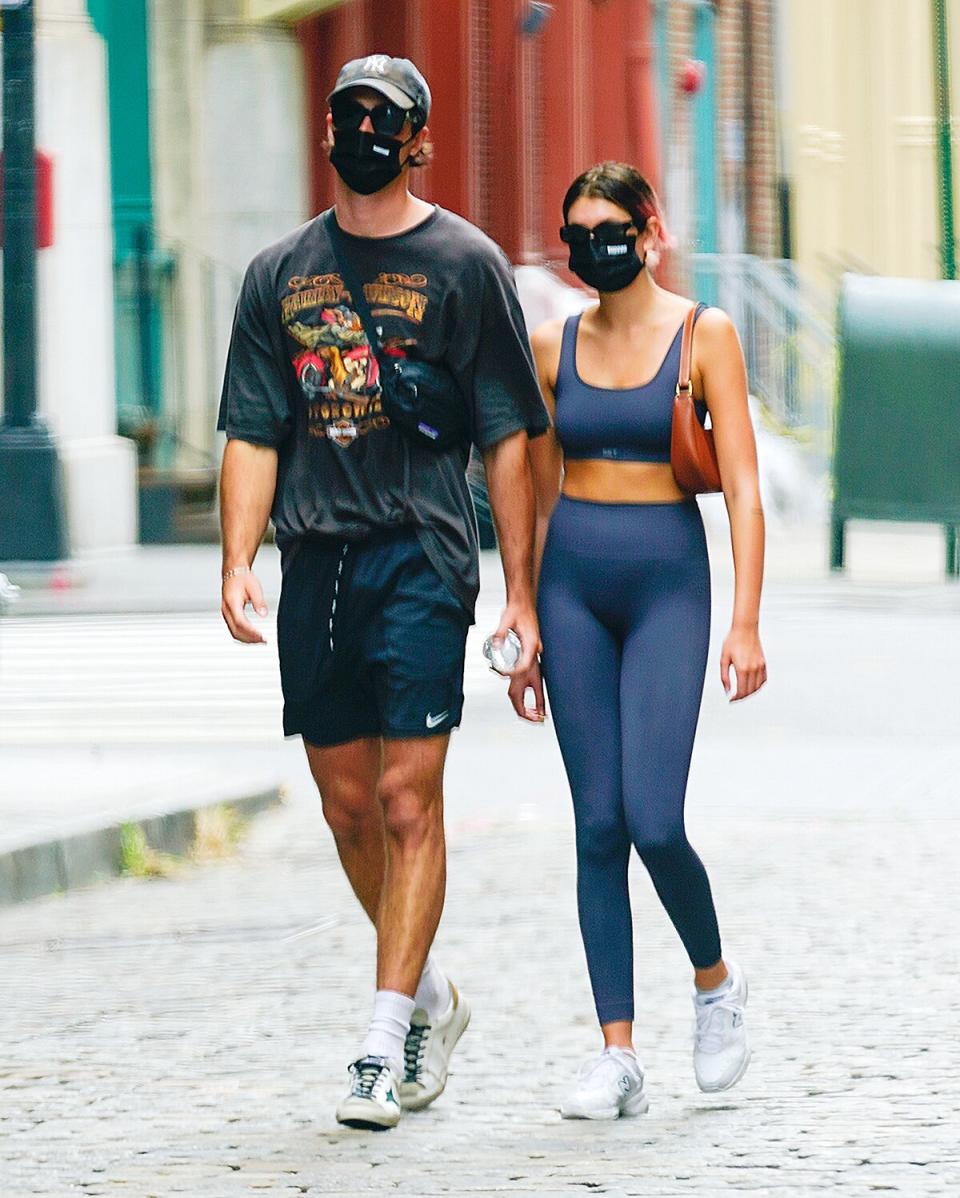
{"type": "Point", "coordinates": [371, 641]}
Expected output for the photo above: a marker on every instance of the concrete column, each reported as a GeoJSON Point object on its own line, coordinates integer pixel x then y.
{"type": "Point", "coordinates": [176, 38]}
{"type": "Point", "coordinates": [75, 280]}
{"type": "Point", "coordinates": [255, 185]}
{"type": "Point", "coordinates": [231, 176]}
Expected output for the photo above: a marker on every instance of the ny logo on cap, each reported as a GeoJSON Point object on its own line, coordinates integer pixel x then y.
{"type": "Point", "coordinates": [377, 64]}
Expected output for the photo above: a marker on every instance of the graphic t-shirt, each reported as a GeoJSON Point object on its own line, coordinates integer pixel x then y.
{"type": "Point", "coordinates": [300, 376]}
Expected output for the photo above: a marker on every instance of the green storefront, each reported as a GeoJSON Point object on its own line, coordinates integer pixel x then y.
{"type": "Point", "coordinates": [138, 271]}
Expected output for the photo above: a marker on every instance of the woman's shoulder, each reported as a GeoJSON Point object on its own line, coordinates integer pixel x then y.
{"type": "Point", "coordinates": [549, 334]}
{"type": "Point", "coordinates": [714, 323]}
{"type": "Point", "coordinates": [546, 341]}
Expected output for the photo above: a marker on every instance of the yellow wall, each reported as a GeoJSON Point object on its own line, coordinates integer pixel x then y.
{"type": "Point", "coordinates": [860, 134]}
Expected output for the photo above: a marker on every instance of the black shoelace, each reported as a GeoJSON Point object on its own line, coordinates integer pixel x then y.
{"type": "Point", "coordinates": [365, 1075]}
{"type": "Point", "coordinates": [413, 1050]}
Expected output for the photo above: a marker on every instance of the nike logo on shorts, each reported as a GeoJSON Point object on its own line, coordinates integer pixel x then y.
{"type": "Point", "coordinates": [434, 720]}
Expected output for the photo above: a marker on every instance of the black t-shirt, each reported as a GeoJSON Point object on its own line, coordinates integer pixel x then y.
{"type": "Point", "coordinates": [300, 376]}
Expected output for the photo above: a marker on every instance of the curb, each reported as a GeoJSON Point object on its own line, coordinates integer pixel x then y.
{"type": "Point", "coordinates": [89, 857]}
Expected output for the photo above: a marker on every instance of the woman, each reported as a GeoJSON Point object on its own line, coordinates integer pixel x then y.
{"type": "Point", "coordinates": [624, 605]}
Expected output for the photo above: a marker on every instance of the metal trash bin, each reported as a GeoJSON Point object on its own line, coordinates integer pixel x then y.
{"type": "Point", "coordinates": [897, 426]}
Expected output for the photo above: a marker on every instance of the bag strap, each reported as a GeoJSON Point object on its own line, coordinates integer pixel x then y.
{"type": "Point", "coordinates": [684, 382]}
{"type": "Point", "coordinates": [354, 286]}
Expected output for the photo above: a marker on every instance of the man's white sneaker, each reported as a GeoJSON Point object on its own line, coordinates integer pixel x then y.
{"type": "Point", "coordinates": [608, 1086]}
{"type": "Point", "coordinates": [721, 1053]}
{"type": "Point", "coordinates": [427, 1052]}
{"type": "Point", "coordinates": [373, 1102]}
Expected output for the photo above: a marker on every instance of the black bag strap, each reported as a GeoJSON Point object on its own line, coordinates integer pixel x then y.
{"type": "Point", "coordinates": [355, 287]}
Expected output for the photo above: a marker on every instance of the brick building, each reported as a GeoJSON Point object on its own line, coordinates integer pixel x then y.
{"type": "Point", "coordinates": [525, 97]}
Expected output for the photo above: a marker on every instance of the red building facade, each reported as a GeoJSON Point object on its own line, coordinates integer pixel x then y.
{"type": "Point", "coordinates": [525, 97]}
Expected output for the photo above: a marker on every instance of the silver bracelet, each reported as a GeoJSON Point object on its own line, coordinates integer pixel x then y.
{"type": "Point", "coordinates": [235, 571]}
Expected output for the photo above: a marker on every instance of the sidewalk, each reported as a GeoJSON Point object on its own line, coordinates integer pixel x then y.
{"type": "Point", "coordinates": [191, 1035]}
{"type": "Point", "coordinates": [63, 808]}
{"type": "Point", "coordinates": [67, 791]}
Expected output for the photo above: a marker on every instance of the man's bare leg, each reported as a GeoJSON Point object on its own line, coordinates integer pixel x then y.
{"type": "Point", "coordinates": [384, 804]}
{"type": "Point", "coordinates": [411, 796]}
{"type": "Point", "coordinates": [347, 777]}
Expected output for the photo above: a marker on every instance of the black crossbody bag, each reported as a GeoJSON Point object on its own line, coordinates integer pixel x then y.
{"type": "Point", "coordinates": [423, 399]}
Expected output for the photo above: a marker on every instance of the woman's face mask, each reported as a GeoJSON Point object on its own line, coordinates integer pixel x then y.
{"type": "Point", "coordinates": [604, 257]}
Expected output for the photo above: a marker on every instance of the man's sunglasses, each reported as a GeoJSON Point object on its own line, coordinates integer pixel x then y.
{"type": "Point", "coordinates": [387, 119]}
{"type": "Point", "coordinates": [607, 231]}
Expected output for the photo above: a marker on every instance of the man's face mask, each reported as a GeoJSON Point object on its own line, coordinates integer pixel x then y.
{"type": "Point", "coordinates": [604, 257]}
{"type": "Point", "coordinates": [367, 162]}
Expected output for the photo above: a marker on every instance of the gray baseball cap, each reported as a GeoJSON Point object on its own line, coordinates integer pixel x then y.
{"type": "Point", "coordinates": [396, 78]}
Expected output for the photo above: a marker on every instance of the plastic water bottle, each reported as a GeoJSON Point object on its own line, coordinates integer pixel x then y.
{"type": "Point", "coordinates": [503, 657]}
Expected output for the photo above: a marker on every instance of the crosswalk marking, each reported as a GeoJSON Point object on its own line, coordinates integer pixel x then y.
{"type": "Point", "coordinates": [171, 678]}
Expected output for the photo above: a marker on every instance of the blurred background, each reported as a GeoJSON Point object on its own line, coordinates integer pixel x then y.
{"type": "Point", "coordinates": [791, 141]}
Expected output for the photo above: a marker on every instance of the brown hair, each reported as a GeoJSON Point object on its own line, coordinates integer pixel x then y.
{"type": "Point", "coordinates": [623, 185]}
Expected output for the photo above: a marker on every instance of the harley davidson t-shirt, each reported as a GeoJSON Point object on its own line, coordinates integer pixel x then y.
{"type": "Point", "coordinates": [300, 376]}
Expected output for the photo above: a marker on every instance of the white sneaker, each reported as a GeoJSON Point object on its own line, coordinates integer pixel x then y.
{"type": "Point", "coordinates": [373, 1102]}
{"type": "Point", "coordinates": [720, 1050]}
{"type": "Point", "coordinates": [608, 1086]}
{"type": "Point", "coordinates": [427, 1052]}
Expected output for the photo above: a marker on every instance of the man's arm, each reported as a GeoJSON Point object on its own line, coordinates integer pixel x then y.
{"type": "Point", "coordinates": [510, 487]}
{"type": "Point", "coordinates": [248, 480]}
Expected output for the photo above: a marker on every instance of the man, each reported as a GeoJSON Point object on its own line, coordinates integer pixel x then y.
{"type": "Point", "coordinates": [377, 532]}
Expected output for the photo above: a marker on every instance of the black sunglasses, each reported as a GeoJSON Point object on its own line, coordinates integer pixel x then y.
{"type": "Point", "coordinates": [606, 231]}
{"type": "Point", "coordinates": [387, 119]}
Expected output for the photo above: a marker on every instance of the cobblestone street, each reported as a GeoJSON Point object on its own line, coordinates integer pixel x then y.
{"type": "Point", "coordinates": [190, 1035]}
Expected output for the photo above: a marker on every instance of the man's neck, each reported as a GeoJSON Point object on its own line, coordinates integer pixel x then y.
{"type": "Point", "coordinates": [386, 213]}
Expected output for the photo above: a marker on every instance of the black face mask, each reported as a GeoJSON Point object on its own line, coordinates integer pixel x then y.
{"type": "Point", "coordinates": [366, 162]}
{"type": "Point", "coordinates": [604, 257]}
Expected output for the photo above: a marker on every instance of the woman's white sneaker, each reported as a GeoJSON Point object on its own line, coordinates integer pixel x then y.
{"type": "Point", "coordinates": [721, 1053]}
{"type": "Point", "coordinates": [608, 1086]}
{"type": "Point", "coordinates": [427, 1052]}
{"type": "Point", "coordinates": [373, 1102]}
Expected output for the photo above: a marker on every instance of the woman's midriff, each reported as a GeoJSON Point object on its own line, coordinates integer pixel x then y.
{"type": "Point", "coordinates": [602, 481]}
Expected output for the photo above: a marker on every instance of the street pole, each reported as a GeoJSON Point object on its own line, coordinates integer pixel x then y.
{"type": "Point", "coordinates": [32, 525]}
{"type": "Point", "coordinates": [941, 74]}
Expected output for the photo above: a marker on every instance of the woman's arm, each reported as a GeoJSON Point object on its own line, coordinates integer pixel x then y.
{"type": "Point", "coordinates": [545, 455]}
{"type": "Point", "coordinates": [723, 384]}
{"type": "Point", "coordinates": [546, 463]}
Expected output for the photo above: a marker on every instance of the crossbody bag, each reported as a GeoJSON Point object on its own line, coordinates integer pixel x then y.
{"type": "Point", "coordinates": [423, 399]}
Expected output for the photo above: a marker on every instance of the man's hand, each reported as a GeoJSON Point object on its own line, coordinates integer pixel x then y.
{"type": "Point", "coordinates": [238, 591]}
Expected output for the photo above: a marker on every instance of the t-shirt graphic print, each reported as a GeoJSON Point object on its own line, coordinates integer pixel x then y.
{"type": "Point", "coordinates": [338, 373]}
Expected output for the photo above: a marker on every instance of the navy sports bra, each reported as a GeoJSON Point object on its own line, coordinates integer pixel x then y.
{"type": "Point", "coordinates": [624, 424]}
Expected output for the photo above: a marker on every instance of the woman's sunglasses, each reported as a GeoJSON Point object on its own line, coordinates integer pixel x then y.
{"type": "Point", "coordinates": [607, 231]}
{"type": "Point", "coordinates": [387, 119]}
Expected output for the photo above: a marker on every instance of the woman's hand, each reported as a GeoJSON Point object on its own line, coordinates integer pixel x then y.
{"type": "Point", "coordinates": [743, 651]}
{"type": "Point", "coordinates": [520, 682]}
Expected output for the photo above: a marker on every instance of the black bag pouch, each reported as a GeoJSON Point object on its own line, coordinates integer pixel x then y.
{"type": "Point", "coordinates": [423, 399]}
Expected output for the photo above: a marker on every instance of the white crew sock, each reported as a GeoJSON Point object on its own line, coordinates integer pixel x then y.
{"type": "Point", "coordinates": [433, 994]}
{"type": "Point", "coordinates": [709, 996]}
{"type": "Point", "coordinates": [388, 1027]}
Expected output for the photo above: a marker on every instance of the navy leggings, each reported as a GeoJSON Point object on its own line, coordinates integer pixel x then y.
{"type": "Point", "coordinates": [624, 605]}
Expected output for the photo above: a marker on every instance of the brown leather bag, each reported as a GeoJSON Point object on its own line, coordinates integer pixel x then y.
{"type": "Point", "coordinates": [693, 454]}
